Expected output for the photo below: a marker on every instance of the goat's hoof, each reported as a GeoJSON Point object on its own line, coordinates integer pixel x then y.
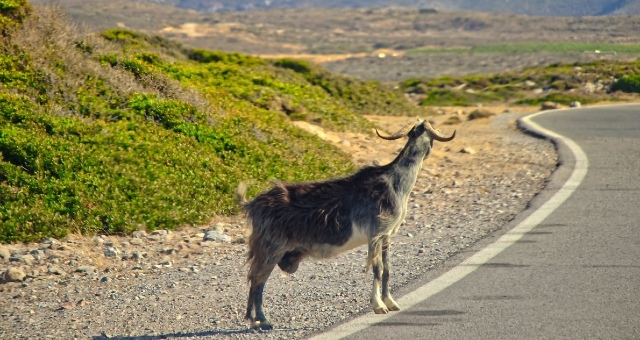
{"type": "Point", "coordinates": [381, 310]}
{"type": "Point", "coordinates": [391, 304]}
{"type": "Point", "coordinates": [265, 326]}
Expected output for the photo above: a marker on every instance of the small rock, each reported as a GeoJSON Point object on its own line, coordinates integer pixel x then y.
{"type": "Point", "coordinates": [86, 269]}
{"type": "Point", "coordinates": [575, 104]}
{"type": "Point", "coordinates": [4, 252]}
{"type": "Point", "coordinates": [105, 279]}
{"type": "Point", "coordinates": [138, 255]}
{"type": "Point", "coordinates": [136, 241]}
{"type": "Point", "coordinates": [160, 232]}
{"type": "Point", "coordinates": [467, 150]}
{"type": "Point", "coordinates": [139, 234]}
{"type": "Point", "coordinates": [240, 240]}
{"type": "Point", "coordinates": [55, 270]}
{"type": "Point", "coordinates": [214, 235]}
{"type": "Point", "coordinates": [549, 106]}
{"type": "Point", "coordinates": [126, 255]}
{"type": "Point", "coordinates": [199, 235]}
{"type": "Point", "coordinates": [98, 240]}
{"type": "Point", "coordinates": [26, 259]}
{"type": "Point", "coordinates": [68, 305]}
{"type": "Point", "coordinates": [37, 254]}
{"type": "Point", "coordinates": [50, 240]}
{"type": "Point", "coordinates": [14, 275]}
{"type": "Point", "coordinates": [111, 252]}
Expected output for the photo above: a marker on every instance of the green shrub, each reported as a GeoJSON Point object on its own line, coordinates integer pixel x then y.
{"type": "Point", "coordinates": [13, 13]}
{"type": "Point", "coordinates": [629, 84]}
{"type": "Point", "coordinates": [205, 56]}
{"type": "Point", "coordinates": [446, 97]}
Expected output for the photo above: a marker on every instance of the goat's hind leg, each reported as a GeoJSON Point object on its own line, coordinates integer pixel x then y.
{"type": "Point", "coordinates": [258, 281]}
{"type": "Point", "coordinates": [391, 304]}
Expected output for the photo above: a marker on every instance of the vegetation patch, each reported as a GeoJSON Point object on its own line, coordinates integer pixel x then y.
{"type": "Point", "coordinates": [628, 83]}
{"type": "Point", "coordinates": [583, 82]}
{"type": "Point", "coordinates": [12, 14]}
{"type": "Point", "coordinates": [533, 47]}
{"type": "Point", "coordinates": [122, 131]}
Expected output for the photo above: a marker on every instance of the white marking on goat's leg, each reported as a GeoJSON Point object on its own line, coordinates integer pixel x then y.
{"type": "Point", "coordinates": [391, 304]}
{"type": "Point", "coordinates": [376, 302]}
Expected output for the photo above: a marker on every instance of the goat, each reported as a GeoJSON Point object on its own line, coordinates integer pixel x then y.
{"type": "Point", "coordinates": [293, 221]}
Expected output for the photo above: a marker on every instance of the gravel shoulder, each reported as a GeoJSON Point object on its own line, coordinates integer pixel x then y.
{"type": "Point", "coordinates": [191, 283]}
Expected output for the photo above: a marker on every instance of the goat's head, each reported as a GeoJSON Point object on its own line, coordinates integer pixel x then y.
{"type": "Point", "coordinates": [418, 130]}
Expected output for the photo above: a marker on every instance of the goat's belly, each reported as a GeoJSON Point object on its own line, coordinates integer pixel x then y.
{"type": "Point", "coordinates": [357, 238]}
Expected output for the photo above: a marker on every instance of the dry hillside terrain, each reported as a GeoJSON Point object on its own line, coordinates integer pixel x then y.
{"type": "Point", "coordinates": [383, 44]}
{"type": "Point", "coordinates": [528, 7]}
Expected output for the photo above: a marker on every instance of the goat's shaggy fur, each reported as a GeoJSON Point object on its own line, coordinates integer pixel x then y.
{"type": "Point", "coordinates": [293, 221]}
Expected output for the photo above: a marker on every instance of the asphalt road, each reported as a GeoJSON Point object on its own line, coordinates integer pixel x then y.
{"type": "Point", "coordinates": [567, 267]}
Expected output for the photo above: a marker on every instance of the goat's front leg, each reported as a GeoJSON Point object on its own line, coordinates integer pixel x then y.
{"type": "Point", "coordinates": [375, 259]}
{"type": "Point", "coordinates": [391, 304]}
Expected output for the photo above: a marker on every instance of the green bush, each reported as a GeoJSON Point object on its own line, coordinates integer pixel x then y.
{"type": "Point", "coordinates": [13, 13]}
{"type": "Point", "coordinates": [629, 84]}
{"type": "Point", "coordinates": [446, 97]}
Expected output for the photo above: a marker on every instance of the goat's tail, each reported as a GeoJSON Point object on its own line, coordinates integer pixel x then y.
{"type": "Point", "coordinates": [241, 194]}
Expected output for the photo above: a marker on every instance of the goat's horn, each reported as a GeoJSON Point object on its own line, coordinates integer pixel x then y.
{"type": "Point", "coordinates": [435, 134]}
{"type": "Point", "coordinates": [401, 133]}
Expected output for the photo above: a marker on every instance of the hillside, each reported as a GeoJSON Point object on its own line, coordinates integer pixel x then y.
{"type": "Point", "coordinates": [537, 8]}
{"type": "Point", "coordinates": [122, 131]}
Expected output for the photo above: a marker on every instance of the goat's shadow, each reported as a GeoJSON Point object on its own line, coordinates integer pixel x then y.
{"type": "Point", "coordinates": [193, 334]}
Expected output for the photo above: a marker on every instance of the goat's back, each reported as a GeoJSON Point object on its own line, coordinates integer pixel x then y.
{"type": "Point", "coordinates": [305, 214]}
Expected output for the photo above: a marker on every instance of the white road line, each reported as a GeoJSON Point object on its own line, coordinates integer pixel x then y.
{"type": "Point", "coordinates": [483, 256]}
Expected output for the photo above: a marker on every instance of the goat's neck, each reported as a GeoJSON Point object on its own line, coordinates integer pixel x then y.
{"type": "Point", "coordinates": [405, 168]}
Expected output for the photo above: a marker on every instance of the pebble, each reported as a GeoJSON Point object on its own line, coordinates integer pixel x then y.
{"type": "Point", "coordinates": [139, 234]}
{"type": "Point", "coordinates": [14, 275]}
{"type": "Point", "coordinates": [4, 252]}
{"type": "Point", "coordinates": [86, 270]}
{"type": "Point", "coordinates": [111, 252]}
{"type": "Point", "coordinates": [214, 235]}
{"type": "Point", "coordinates": [468, 150]}
{"type": "Point", "coordinates": [55, 270]}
